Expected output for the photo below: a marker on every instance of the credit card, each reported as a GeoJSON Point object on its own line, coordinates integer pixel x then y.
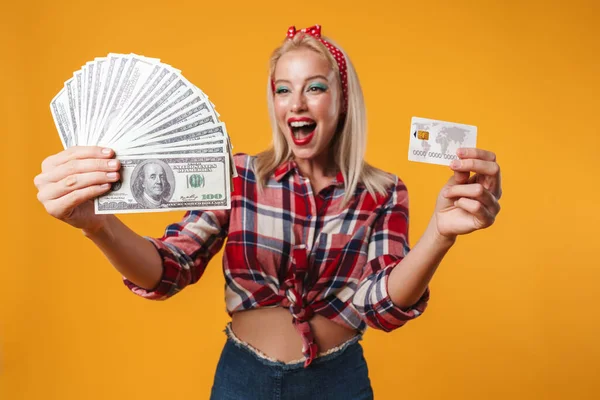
{"type": "Point", "coordinates": [436, 142]}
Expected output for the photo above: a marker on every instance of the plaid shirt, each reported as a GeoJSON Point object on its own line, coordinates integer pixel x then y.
{"type": "Point", "coordinates": [286, 249]}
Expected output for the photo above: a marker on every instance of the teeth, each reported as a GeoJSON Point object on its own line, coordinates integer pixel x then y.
{"type": "Point", "coordinates": [298, 124]}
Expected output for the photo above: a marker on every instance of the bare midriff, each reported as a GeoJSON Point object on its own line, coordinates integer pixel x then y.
{"type": "Point", "coordinates": [271, 331]}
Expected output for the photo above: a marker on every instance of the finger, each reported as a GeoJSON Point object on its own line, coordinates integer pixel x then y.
{"type": "Point", "coordinates": [471, 152]}
{"type": "Point", "coordinates": [75, 182]}
{"type": "Point", "coordinates": [482, 216]}
{"type": "Point", "coordinates": [492, 184]}
{"type": "Point", "coordinates": [75, 153]}
{"type": "Point", "coordinates": [61, 207]}
{"type": "Point", "coordinates": [461, 177]}
{"type": "Point", "coordinates": [474, 191]}
{"type": "Point", "coordinates": [75, 167]}
{"type": "Point", "coordinates": [490, 168]}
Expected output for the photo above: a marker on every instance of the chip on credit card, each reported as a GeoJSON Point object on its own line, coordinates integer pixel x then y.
{"type": "Point", "coordinates": [436, 142]}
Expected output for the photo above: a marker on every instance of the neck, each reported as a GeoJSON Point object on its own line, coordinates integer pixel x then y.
{"type": "Point", "coordinates": [318, 168]}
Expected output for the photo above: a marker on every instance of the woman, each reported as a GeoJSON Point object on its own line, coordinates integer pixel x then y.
{"type": "Point", "coordinates": [317, 239]}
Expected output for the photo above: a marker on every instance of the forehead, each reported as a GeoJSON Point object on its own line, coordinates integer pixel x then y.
{"type": "Point", "coordinates": [153, 168]}
{"type": "Point", "coordinates": [302, 63]}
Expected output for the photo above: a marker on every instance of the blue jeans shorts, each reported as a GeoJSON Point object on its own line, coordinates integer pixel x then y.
{"type": "Point", "coordinates": [243, 373]}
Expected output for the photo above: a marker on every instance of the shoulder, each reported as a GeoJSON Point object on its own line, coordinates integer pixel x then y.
{"type": "Point", "coordinates": [244, 162]}
{"type": "Point", "coordinates": [399, 192]}
{"type": "Point", "coordinates": [245, 168]}
{"type": "Point", "coordinates": [241, 159]}
{"type": "Point", "coordinates": [390, 188]}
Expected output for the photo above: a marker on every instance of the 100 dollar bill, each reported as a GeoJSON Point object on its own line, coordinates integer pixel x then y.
{"type": "Point", "coordinates": [168, 183]}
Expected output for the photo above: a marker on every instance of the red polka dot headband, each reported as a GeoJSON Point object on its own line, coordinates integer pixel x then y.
{"type": "Point", "coordinates": [315, 31]}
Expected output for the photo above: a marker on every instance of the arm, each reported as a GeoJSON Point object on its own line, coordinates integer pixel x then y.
{"type": "Point", "coordinates": [409, 281]}
{"type": "Point", "coordinates": [184, 252]}
{"type": "Point", "coordinates": [154, 268]}
{"type": "Point", "coordinates": [384, 303]}
{"type": "Point", "coordinates": [132, 255]}
{"type": "Point", "coordinates": [394, 287]}
{"type": "Point", "coordinates": [67, 185]}
{"type": "Point", "coordinates": [465, 204]}
{"type": "Point", "coordinates": [159, 268]}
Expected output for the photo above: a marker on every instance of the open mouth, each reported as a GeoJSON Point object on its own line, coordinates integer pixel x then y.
{"type": "Point", "coordinates": [302, 129]}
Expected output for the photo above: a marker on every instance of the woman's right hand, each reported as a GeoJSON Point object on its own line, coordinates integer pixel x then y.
{"type": "Point", "coordinates": [71, 179]}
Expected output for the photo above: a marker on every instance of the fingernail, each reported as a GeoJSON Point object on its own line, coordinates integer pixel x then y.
{"type": "Point", "coordinates": [112, 163]}
{"type": "Point", "coordinates": [104, 185]}
{"type": "Point", "coordinates": [106, 151]}
{"type": "Point", "coordinates": [111, 175]}
{"type": "Point", "coordinates": [445, 192]}
{"type": "Point", "coordinates": [455, 164]}
{"type": "Point", "coordinates": [461, 152]}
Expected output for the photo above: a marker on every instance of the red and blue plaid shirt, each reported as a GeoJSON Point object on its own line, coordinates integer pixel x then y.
{"type": "Point", "coordinates": [293, 248]}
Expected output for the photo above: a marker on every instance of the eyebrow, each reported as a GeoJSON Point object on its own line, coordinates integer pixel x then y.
{"type": "Point", "coordinates": [307, 79]}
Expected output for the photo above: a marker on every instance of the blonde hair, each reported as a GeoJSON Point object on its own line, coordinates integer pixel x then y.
{"type": "Point", "coordinates": [349, 143]}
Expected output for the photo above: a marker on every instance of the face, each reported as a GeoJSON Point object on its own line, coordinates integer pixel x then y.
{"type": "Point", "coordinates": [307, 102]}
{"type": "Point", "coordinates": [154, 179]}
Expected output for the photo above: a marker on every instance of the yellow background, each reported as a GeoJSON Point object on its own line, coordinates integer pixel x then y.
{"type": "Point", "coordinates": [514, 312]}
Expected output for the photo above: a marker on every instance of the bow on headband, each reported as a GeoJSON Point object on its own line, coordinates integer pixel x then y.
{"type": "Point", "coordinates": [315, 31]}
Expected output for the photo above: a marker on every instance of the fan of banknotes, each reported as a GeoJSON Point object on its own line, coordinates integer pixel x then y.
{"type": "Point", "coordinates": [174, 152]}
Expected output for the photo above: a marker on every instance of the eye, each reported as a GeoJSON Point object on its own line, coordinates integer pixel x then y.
{"type": "Point", "coordinates": [317, 87]}
{"type": "Point", "coordinates": [281, 90]}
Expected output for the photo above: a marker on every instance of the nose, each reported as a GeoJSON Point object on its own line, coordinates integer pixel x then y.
{"type": "Point", "coordinates": [298, 102]}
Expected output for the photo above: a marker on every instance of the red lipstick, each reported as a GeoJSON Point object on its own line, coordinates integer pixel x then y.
{"type": "Point", "coordinates": [301, 141]}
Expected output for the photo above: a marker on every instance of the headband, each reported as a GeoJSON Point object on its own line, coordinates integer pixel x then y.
{"type": "Point", "coordinates": [315, 31]}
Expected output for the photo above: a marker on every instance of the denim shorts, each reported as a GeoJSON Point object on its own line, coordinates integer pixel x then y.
{"type": "Point", "coordinates": [243, 373]}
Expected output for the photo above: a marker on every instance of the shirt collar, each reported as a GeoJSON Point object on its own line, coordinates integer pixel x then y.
{"type": "Point", "coordinates": [285, 168]}
{"type": "Point", "coordinates": [151, 200]}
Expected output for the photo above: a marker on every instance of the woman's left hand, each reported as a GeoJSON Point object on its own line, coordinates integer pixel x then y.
{"type": "Point", "coordinates": [468, 203]}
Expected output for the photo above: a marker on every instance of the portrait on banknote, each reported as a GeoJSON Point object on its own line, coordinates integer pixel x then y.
{"type": "Point", "coordinates": [152, 183]}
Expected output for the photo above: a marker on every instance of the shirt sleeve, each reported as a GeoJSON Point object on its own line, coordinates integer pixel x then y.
{"type": "Point", "coordinates": [185, 250]}
{"type": "Point", "coordinates": [388, 245]}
